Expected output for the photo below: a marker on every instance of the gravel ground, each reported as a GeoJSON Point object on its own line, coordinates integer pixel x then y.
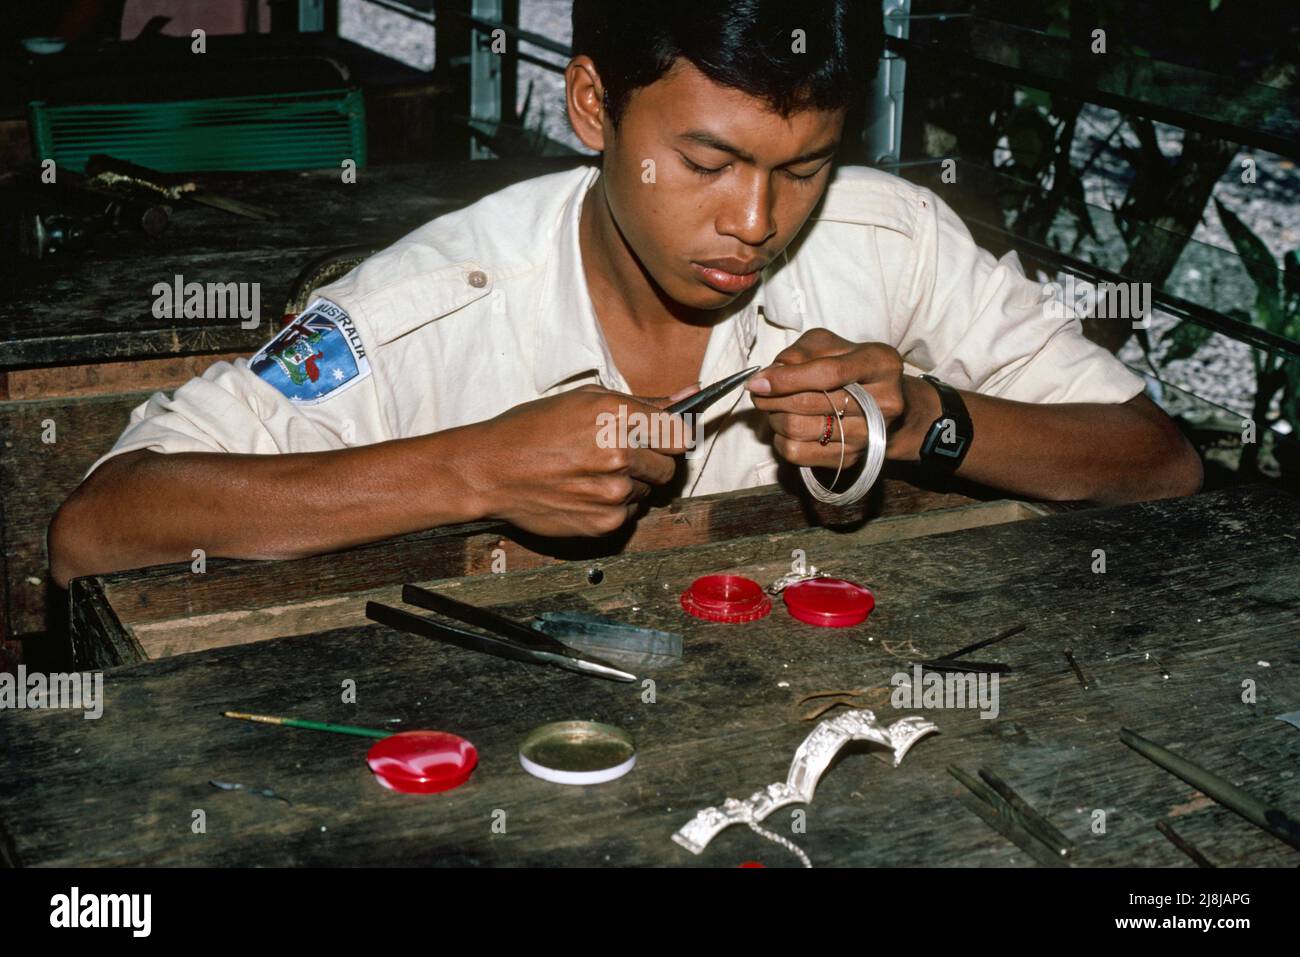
{"type": "Point", "coordinates": [1221, 373]}
{"type": "Point", "coordinates": [1209, 271]}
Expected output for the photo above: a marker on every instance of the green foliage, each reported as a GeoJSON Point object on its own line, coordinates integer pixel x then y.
{"type": "Point", "coordinates": [1262, 268]}
{"type": "Point", "coordinates": [1184, 339]}
{"type": "Point", "coordinates": [1032, 139]}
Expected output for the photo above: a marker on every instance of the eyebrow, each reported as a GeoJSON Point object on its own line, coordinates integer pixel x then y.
{"type": "Point", "coordinates": [705, 138]}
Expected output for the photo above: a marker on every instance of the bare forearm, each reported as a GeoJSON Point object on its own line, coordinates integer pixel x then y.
{"type": "Point", "coordinates": [1086, 451]}
{"type": "Point", "coordinates": [144, 508]}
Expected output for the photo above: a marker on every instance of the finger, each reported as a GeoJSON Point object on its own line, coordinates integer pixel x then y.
{"type": "Point", "coordinates": [810, 428]}
{"type": "Point", "coordinates": [810, 403]}
{"type": "Point", "coordinates": [649, 466]}
{"type": "Point", "coordinates": [812, 454]}
{"type": "Point", "coordinates": [638, 424]}
{"type": "Point", "coordinates": [811, 345]}
{"type": "Point", "coordinates": [864, 364]}
{"type": "Point", "coordinates": [639, 490]}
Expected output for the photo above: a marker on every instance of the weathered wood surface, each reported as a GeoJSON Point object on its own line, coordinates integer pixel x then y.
{"type": "Point", "coordinates": [36, 475]}
{"type": "Point", "coordinates": [1205, 586]}
{"type": "Point", "coordinates": [127, 617]}
{"type": "Point", "coordinates": [95, 304]}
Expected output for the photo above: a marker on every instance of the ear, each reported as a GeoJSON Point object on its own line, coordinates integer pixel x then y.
{"type": "Point", "coordinates": [585, 98]}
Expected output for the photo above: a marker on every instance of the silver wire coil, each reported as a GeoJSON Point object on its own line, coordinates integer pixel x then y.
{"type": "Point", "coordinates": [875, 455]}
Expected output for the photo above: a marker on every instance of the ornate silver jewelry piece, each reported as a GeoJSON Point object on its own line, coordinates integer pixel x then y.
{"type": "Point", "coordinates": [810, 761]}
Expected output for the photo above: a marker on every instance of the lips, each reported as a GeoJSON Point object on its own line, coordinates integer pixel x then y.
{"type": "Point", "coordinates": [729, 275]}
{"type": "Point", "coordinates": [737, 267]}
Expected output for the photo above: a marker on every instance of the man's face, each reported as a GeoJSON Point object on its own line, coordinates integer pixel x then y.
{"type": "Point", "coordinates": [733, 182]}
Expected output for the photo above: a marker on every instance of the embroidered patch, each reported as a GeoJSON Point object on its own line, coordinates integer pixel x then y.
{"type": "Point", "coordinates": [318, 355]}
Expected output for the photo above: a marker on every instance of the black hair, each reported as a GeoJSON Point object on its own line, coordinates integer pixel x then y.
{"type": "Point", "coordinates": [748, 45]}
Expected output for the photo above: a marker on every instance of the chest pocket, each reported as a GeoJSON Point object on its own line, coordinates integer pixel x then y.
{"type": "Point", "coordinates": [404, 306]}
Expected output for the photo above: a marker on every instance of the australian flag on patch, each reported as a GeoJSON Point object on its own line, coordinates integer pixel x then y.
{"type": "Point", "coordinates": [317, 355]}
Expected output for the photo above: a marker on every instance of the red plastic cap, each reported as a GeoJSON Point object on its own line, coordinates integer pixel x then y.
{"type": "Point", "coordinates": [829, 602]}
{"type": "Point", "coordinates": [729, 598]}
{"type": "Point", "coordinates": [422, 762]}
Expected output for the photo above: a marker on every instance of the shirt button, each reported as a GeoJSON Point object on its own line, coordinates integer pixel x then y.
{"type": "Point", "coordinates": [478, 279]}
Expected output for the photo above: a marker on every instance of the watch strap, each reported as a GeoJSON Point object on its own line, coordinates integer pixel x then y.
{"type": "Point", "coordinates": [949, 437]}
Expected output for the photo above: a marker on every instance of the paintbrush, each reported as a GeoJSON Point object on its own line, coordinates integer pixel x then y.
{"type": "Point", "coordinates": [309, 725]}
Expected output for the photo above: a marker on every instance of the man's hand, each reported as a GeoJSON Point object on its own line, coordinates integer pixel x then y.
{"type": "Point", "coordinates": [793, 392]}
{"type": "Point", "coordinates": [542, 466]}
{"type": "Point", "coordinates": [1086, 451]}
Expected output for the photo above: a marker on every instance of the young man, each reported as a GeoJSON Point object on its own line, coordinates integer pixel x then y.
{"type": "Point", "coordinates": [462, 373]}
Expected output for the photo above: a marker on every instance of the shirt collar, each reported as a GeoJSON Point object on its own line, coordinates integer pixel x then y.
{"type": "Point", "coordinates": [569, 341]}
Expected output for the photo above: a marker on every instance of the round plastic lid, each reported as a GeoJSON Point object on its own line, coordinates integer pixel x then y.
{"type": "Point", "coordinates": [578, 752]}
{"type": "Point", "coordinates": [829, 602]}
{"type": "Point", "coordinates": [422, 762]}
{"type": "Point", "coordinates": [729, 598]}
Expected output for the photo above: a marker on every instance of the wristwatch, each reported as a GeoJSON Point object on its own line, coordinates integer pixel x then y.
{"type": "Point", "coordinates": [949, 437]}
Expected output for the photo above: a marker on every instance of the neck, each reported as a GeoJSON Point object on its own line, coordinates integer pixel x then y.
{"type": "Point", "coordinates": [623, 294]}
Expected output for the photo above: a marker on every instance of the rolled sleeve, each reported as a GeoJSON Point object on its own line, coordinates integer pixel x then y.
{"type": "Point", "coordinates": [979, 323]}
{"type": "Point", "coordinates": [230, 409]}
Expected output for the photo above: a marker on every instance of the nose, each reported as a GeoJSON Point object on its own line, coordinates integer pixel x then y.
{"type": "Point", "coordinates": [747, 210]}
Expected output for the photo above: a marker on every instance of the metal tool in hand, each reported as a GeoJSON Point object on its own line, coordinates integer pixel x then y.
{"type": "Point", "coordinates": [506, 638]}
{"type": "Point", "coordinates": [707, 396]}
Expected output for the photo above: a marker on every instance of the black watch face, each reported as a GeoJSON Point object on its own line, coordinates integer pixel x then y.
{"type": "Point", "coordinates": [944, 440]}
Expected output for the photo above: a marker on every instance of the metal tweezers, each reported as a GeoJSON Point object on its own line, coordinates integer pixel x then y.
{"type": "Point", "coordinates": [1013, 817]}
{"type": "Point", "coordinates": [506, 639]}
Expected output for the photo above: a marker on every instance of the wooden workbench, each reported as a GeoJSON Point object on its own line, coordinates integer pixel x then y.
{"type": "Point", "coordinates": [133, 616]}
{"type": "Point", "coordinates": [1204, 588]}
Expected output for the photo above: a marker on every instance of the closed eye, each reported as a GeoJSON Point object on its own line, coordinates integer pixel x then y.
{"type": "Point", "coordinates": [808, 177]}
{"type": "Point", "coordinates": [711, 172]}
{"type": "Point", "coordinates": [702, 170]}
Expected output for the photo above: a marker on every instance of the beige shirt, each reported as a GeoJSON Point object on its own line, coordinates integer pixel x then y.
{"type": "Point", "coordinates": [488, 307]}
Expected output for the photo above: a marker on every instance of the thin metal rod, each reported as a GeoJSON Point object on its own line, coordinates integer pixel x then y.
{"type": "Point", "coordinates": [1220, 789]}
{"type": "Point", "coordinates": [963, 667]}
{"type": "Point", "coordinates": [1078, 672]}
{"type": "Point", "coordinates": [1180, 843]}
{"type": "Point", "coordinates": [1013, 630]}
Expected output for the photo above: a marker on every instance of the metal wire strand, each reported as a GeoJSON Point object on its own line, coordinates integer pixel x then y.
{"type": "Point", "coordinates": [785, 842]}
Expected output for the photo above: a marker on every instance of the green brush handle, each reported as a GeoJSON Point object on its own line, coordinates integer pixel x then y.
{"type": "Point", "coordinates": [309, 725]}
